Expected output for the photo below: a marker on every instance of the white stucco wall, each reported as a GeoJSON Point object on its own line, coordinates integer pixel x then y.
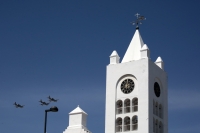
{"type": "Point", "coordinates": [75, 120]}
{"type": "Point", "coordinates": [144, 73]}
{"type": "Point", "coordinates": [156, 74]}
{"type": "Point", "coordinates": [115, 74]}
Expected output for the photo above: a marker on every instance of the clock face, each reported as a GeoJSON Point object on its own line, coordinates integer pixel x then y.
{"type": "Point", "coordinates": [156, 89]}
{"type": "Point", "coordinates": [127, 86]}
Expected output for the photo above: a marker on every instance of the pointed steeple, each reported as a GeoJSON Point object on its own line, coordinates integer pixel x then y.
{"type": "Point", "coordinates": [133, 51]}
{"type": "Point", "coordinates": [77, 110]}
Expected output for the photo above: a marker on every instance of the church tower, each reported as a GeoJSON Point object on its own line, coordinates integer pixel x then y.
{"type": "Point", "coordinates": [136, 91]}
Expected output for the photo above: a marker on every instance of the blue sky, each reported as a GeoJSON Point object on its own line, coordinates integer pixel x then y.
{"type": "Point", "coordinates": [61, 48]}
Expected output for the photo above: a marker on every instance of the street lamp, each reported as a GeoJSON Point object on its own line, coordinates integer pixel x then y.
{"type": "Point", "coordinates": [52, 109]}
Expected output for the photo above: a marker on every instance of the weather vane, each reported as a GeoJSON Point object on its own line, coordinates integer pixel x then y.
{"type": "Point", "coordinates": [138, 20]}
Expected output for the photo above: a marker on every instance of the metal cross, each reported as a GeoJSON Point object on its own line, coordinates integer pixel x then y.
{"type": "Point", "coordinates": [137, 14]}
{"type": "Point", "coordinates": [138, 20]}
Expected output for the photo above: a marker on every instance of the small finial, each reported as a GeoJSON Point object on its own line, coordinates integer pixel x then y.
{"type": "Point", "coordinates": [138, 20]}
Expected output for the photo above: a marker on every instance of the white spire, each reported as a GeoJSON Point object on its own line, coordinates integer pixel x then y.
{"type": "Point", "coordinates": [77, 110]}
{"type": "Point", "coordinates": [133, 51]}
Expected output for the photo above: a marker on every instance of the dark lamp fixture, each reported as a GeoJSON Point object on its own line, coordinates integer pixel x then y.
{"type": "Point", "coordinates": [52, 109]}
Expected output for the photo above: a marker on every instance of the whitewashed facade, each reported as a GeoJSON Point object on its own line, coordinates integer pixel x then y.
{"type": "Point", "coordinates": [145, 108]}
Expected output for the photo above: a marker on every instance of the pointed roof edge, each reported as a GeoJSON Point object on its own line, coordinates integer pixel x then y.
{"type": "Point", "coordinates": [145, 47]}
{"type": "Point", "coordinates": [137, 31]}
{"type": "Point", "coordinates": [132, 53]}
{"type": "Point", "coordinates": [141, 40]}
{"type": "Point", "coordinates": [77, 110]}
{"type": "Point", "coordinates": [159, 59]}
{"type": "Point", "coordinates": [114, 53]}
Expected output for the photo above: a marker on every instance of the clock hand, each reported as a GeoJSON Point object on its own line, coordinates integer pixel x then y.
{"type": "Point", "coordinates": [127, 84]}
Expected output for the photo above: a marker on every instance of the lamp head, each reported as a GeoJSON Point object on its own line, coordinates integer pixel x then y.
{"type": "Point", "coordinates": [54, 109]}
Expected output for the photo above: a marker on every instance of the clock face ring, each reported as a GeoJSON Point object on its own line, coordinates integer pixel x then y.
{"type": "Point", "coordinates": [127, 86]}
{"type": "Point", "coordinates": [157, 89]}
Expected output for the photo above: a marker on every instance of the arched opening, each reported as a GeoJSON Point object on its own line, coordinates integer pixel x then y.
{"type": "Point", "coordinates": [119, 124]}
{"type": "Point", "coordinates": [156, 108]}
{"type": "Point", "coordinates": [126, 124]}
{"type": "Point", "coordinates": [135, 123]}
{"type": "Point", "coordinates": [119, 107]}
{"type": "Point", "coordinates": [127, 106]}
{"type": "Point", "coordinates": [135, 105]}
{"type": "Point", "coordinates": [160, 111]}
{"type": "Point", "coordinates": [153, 125]}
{"type": "Point", "coordinates": [160, 127]}
{"type": "Point", "coordinates": [156, 126]}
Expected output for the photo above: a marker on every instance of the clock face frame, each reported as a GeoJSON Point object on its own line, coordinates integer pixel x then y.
{"type": "Point", "coordinates": [127, 86]}
{"type": "Point", "coordinates": [157, 89]}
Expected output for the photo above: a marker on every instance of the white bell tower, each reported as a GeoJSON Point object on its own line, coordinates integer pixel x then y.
{"type": "Point", "coordinates": [136, 91]}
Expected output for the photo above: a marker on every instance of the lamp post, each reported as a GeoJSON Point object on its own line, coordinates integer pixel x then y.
{"type": "Point", "coordinates": [52, 109]}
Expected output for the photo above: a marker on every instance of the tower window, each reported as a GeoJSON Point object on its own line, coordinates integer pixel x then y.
{"type": "Point", "coordinates": [119, 107]}
{"type": "Point", "coordinates": [156, 108]}
{"type": "Point", "coordinates": [127, 106]}
{"type": "Point", "coordinates": [160, 128]}
{"type": "Point", "coordinates": [126, 124]}
{"type": "Point", "coordinates": [153, 125]}
{"type": "Point", "coordinates": [134, 105]}
{"type": "Point", "coordinates": [160, 111]}
{"type": "Point", "coordinates": [119, 125]}
{"type": "Point", "coordinates": [134, 123]}
{"type": "Point", "coordinates": [156, 125]}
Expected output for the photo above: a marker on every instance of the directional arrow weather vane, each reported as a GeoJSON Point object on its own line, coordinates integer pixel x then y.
{"type": "Point", "coordinates": [138, 20]}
